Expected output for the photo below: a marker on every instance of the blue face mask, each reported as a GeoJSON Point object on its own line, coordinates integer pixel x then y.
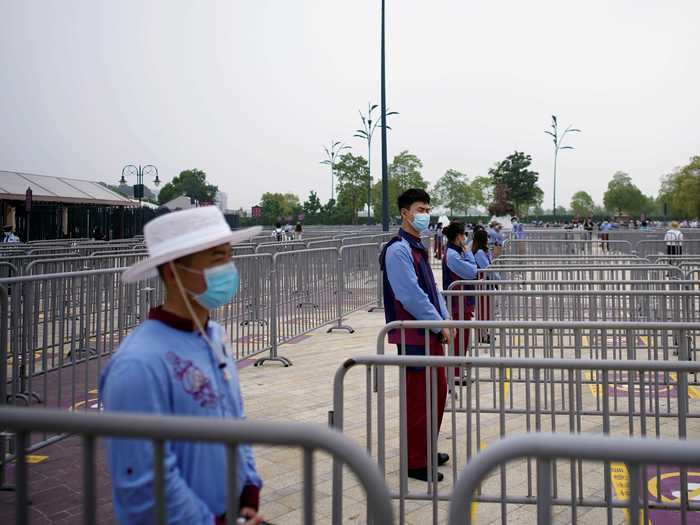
{"type": "Point", "coordinates": [222, 284]}
{"type": "Point", "coordinates": [420, 222]}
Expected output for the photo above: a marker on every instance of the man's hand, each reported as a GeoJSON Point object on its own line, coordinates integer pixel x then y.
{"type": "Point", "coordinates": [445, 335]}
{"type": "Point", "coordinates": [253, 517]}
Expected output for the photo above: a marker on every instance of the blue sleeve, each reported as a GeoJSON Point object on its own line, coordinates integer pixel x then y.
{"type": "Point", "coordinates": [462, 266]}
{"type": "Point", "coordinates": [130, 386]}
{"type": "Point", "coordinates": [482, 260]}
{"type": "Point", "coordinates": [404, 284]}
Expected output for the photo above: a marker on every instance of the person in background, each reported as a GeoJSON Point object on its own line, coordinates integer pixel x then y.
{"type": "Point", "coordinates": [459, 265]}
{"type": "Point", "coordinates": [518, 235]}
{"type": "Point", "coordinates": [588, 226]}
{"type": "Point", "coordinates": [605, 228]}
{"type": "Point", "coordinates": [8, 236]}
{"type": "Point", "coordinates": [410, 293]}
{"type": "Point", "coordinates": [298, 231]}
{"type": "Point", "coordinates": [438, 241]}
{"type": "Point", "coordinates": [179, 362]}
{"type": "Point", "coordinates": [495, 239]}
{"type": "Point", "coordinates": [278, 232]}
{"type": "Point", "coordinates": [480, 251]}
{"type": "Point", "coordinates": [674, 240]}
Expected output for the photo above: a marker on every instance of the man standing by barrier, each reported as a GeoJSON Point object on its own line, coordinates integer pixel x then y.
{"type": "Point", "coordinates": [410, 293]}
{"type": "Point", "coordinates": [179, 362]}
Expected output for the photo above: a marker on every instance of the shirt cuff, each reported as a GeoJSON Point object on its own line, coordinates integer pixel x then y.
{"type": "Point", "coordinates": [250, 497]}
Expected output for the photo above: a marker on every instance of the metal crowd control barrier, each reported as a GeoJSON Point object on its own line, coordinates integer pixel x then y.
{"type": "Point", "coordinates": [309, 439]}
{"type": "Point", "coordinates": [634, 459]}
{"type": "Point", "coordinates": [490, 398]}
{"type": "Point", "coordinates": [77, 264]}
{"type": "Point", "coordinates": [587, 272]}
{"type": "Point", "coordinates": [565, 247]}
{"type": "Point", "coordinates": [577, 305]}
{"type": "Point", "coordinates": [687, 246]}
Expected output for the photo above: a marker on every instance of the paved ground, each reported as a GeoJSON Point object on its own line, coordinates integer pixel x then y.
{"type": "Point", "coordinates": [303, 393]}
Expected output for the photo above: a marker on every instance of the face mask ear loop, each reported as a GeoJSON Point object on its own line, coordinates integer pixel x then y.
{"type": "Point", "coordinates": [188, 305]}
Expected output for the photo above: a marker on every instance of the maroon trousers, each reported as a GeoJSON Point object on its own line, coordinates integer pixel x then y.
{"type": "Point", "coordinates": [461, 343]}
{"type": "Point", "coordinates": [418, 415]}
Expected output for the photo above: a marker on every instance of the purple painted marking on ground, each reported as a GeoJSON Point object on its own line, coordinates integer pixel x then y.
{"type": "Point", "coordinates": [650, 387]}
{"type": "Point", "coordinates": [669, 491]}
{"type": "Point", "coordinates": [244, 363]}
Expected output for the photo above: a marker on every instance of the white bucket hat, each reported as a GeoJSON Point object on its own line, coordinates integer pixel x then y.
{"type": "Point", "coordinates": [181, 233]}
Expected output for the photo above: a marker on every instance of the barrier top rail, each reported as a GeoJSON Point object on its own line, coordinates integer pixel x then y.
{"type": "Point", "coordinates": [547, 447]}
{"type": "Point", "coordinates": [573, 282]}
{"type": "Point", "coordinates": [162, 428]}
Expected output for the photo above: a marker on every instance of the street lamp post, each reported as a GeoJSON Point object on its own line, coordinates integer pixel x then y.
{"type": "Point", "coordinates": [385, 165]}
{"type": "Point", "coordinates": [368, 127]}
{"type": "Point", "coordinates": [332, 154]}
{"type": "Point", "coordinates": [139, 171]}
{"type": "Point", "coordinates": [558, 141]}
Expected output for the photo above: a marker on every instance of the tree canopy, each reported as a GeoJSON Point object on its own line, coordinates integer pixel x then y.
{"type": "Point", "coordinates": [404, 173]}
{"type": "Point", "coordinates": [352, 172]}
{"type": "Point", "coordinates": [582, 204]}
{"type": "Point", "coordinates": [192, 183]}
{"type": "Point", "coordinates": [520, 183]}
{"type": "Point", "coordinates": [454, 191]}
{"type": "Point", "coordinates": [680, 190]}
{"type": "Point", "coordinates": [278, 206]}
{"type": "Point", "coordinates": [623, 196]}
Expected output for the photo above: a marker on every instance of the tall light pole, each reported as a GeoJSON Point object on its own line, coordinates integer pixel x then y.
{"type": "Point", "coordinates": [385, 165]}
{"type": "Point", "coordinates": [558, 145]}
{"type": "Point", "coordinates": [139, 171]}
{"type": "Point", "coordinates": [368, 127]}
{"type": "Point", "coordinates": [332, 154]}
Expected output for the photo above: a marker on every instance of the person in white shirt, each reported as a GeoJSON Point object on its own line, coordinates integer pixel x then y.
{"type": "Point", "coordinates": [674, 240]}
{"type": "Point", "coordinates": [8, 236]}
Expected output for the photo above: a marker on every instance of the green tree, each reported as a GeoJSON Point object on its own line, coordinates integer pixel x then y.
{"type": "Point", "coordinates": [454, 191]}
{"type": "Point", "coordinates": [404, 173]}
{"type": "Point", "coordinates": [482, 190]}
{"type": "Point", "coordinates": [582, 204]}
{"type": "Point", "coordinates": [680, 190]}
{"type": "Point", "coordinates": [192, 183]}
{"type": "Point", "coordinates": [277, 206]}
{"type": "Point", "coordinates": [312, 205]}
{"type": "Point", "coordinates": [521, 183]}
{"type": "Point", "coordinates": [623, 196]}
{"type": "Point", "coordinates": [353, 175]}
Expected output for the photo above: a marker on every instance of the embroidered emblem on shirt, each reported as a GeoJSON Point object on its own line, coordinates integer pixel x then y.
{"type": "Point", "coordinates": [194, 381]}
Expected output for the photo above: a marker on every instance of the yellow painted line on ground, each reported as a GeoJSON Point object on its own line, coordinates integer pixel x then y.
{"type": "Point", "coordinates": [33, 459]}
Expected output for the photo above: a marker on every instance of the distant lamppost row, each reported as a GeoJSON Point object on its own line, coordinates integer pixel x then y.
{"type": "Point", "coordinates": [368, 127]}
{"type": "Point", "coordinates": [332, 154]}
{"type": "Point", "coordinates": [139, 171]}
{"type": "Point", "coordinates": [558, 141]}
{"type": "Point", "coordinates": [385, 165]}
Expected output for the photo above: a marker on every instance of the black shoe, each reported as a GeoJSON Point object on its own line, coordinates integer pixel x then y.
{"type": "Point", "coordinates": [463, 381]}
{"type": "Point", "coordinates": [442, 458]}
{"type": "Point", "coordinates": [421, 474]}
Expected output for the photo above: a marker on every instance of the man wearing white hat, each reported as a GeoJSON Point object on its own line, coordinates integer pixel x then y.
{"type": "Point", "coordinates": [178, 362]}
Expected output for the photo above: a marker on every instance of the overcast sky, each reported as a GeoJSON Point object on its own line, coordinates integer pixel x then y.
{"type": "Point", "coordinates": [249, 91]}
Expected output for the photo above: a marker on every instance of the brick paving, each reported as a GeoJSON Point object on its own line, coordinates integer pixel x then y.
{"type": "Point", "coordinates": [303, 393]}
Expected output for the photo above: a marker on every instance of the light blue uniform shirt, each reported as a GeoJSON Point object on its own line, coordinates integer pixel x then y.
{"type": "Point", "coordinates": [463, 265]}
{"type": "Point", "coordinates": [404, 283]}
{"type": "Point", "coordinates": [161, 370]}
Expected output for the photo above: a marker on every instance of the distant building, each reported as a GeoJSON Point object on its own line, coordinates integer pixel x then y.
{"type": "Point", "coordinates": [221, 201]}
{"type": "Point", "coordinates": [183, 202]}
{"type": "Point", "coordinates": [256, 212]}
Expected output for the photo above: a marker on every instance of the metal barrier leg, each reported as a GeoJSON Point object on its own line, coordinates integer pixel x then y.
{"type": "Point", "coordinates": [339, 293]}
{"type": "Point", "coordinates": [275, 300]}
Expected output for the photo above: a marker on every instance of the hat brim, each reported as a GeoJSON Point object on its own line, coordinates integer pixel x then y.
{"type": "Point", "coordinates": [148, 268]}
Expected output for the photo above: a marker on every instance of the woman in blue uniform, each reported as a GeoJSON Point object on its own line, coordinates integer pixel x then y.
{"type": "Point", "coordinates": [458, 264]}
{"type": "Point", "coordinates": [480, 250]}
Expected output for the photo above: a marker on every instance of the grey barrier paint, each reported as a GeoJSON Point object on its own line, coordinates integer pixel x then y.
{"type": "Point", "coordinates": [579, 284]}
{"type": "Point", "coordinates": [546, 448]}
{"type": "Point", "coordinates": [598, 272]}
{"type": "Point", "coordinates": [565, 247]}
{"type": "Point", "coordinates": [550, 392]}
{"type": "Point", "coordinates": [159, 429]}
{"type": "Point", "coordinates": [76, 264]}
{"type": "Point", "coordinates": [649, 247]}
{"type": "Point", "coordinates": [582, 305]}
